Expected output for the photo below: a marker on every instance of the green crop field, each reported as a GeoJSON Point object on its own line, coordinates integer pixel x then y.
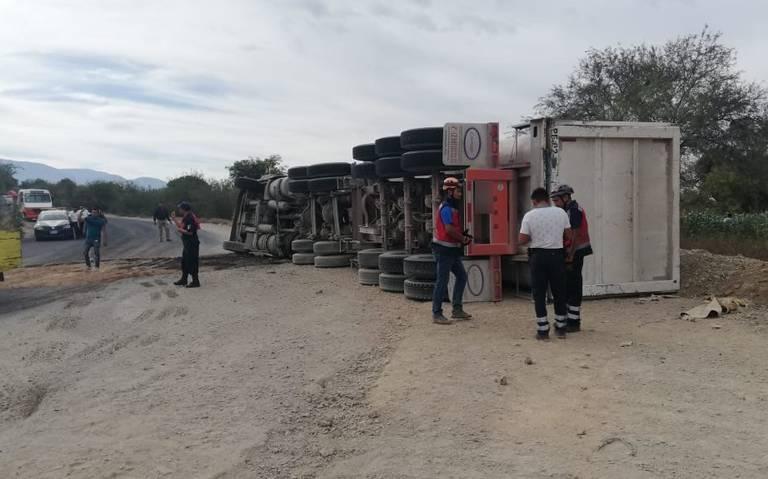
{"type": "Point", "coordinates": [745, 234]}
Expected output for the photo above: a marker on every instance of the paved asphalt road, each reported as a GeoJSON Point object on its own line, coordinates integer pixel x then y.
{"type": "Point", "coordinates": [127, 238]}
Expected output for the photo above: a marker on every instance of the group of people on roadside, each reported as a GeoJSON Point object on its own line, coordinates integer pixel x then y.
{"type": "Point", "coordinates": [94, 231]}
{"type": "Point", "coordinates": [557, 235]}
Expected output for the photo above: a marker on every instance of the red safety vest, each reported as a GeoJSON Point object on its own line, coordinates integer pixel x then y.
{"type": "Point", "coordinates": [441, 235]}
{"type": "Point", "coordinates": [582, 233]}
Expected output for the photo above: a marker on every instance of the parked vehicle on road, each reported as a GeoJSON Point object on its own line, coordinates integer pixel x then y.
{"type": "Point", "coordinates": [53, 224]}
{"type": "Point", "coordinates": [32, 202]}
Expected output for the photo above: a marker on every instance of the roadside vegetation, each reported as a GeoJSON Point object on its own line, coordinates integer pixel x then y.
{"type": "Point", "coordinates": [729, 234]}
{"type": "Point", "coordinates": [211, 198]}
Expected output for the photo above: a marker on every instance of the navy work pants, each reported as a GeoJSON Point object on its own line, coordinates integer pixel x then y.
{"type": "Point", "coordinates": [447, 261]}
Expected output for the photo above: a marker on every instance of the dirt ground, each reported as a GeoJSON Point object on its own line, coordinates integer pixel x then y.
{"type": "Point", "coordinates": [281, 371]}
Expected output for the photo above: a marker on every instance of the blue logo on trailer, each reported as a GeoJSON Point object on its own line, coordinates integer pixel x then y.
{"type": "Point", "coordinates": [472, 143]}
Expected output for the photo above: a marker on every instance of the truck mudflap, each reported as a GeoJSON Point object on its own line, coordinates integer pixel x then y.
{"type": "Point", "coordinates": [235, 246]}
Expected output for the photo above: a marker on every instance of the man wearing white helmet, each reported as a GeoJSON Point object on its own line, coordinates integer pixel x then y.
{"type": "Point", "coordinates": [448, 243]}
{"type": "Point", "coordinates": [577, 246]}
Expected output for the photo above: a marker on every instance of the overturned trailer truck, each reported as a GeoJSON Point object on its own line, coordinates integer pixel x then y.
{"type": "Point", "coordinates": [377, 213]}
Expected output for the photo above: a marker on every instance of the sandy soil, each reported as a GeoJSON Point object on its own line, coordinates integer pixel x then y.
{"type": "Point", "coordinates": [279, 371]}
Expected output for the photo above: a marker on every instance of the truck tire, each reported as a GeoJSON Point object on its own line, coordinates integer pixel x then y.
{"type": "Point", "coordinates": [245, 183]}
{"type": "Point", "coordinates": [333, 261]}
{"type": "Point", "coordinates": [297, 173]}
{"type": "Point", "coordinates": [302, 246]}
{"type": "Point", "coordinates": [389, 167]}
{"type": "Point", "coordinates": [364, 171]}
{"type": "Point", "coordinates": [369, 258]}
{"type": "Point", "coordinates": [422, 139]}
{"type": "Point", "coordinates": [392, 262]}
{"type": "Point", "coordinates": [324, 185]}
{"type": "Point", "coordinates": [298, 186]}
{"type": "Point", "coordinates": [365, 152]}
{"type": "Point", "coordinates": [388, 146]}
{"type": "Point", "coordinates": [392, 283]}
{"type": "Point", "coordinates": [324, 170]}
{"type": "Point", "coordinates": [420, 266]}
{"type": "Point", "coordinates": [423, 161]}
{"type": "Point", "coordinates": [368, 277]}
{"type": "Point", "coordinates": [418, 290]}
{"type": "Point", "coordinates": [326, 248]}
{"type": "Point", "coordinates": [303, 258]}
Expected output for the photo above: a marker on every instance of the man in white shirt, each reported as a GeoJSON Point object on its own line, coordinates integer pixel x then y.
{"type": "Point", "coordinates": [544, 228]}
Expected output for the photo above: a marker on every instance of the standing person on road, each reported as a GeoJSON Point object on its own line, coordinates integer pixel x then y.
{"type": "Point", "coordinates": [162, 218]}
{"type": "Point", "coordinates": [95, 233]}
{"type": "Point", "coordinates": [577, 246]}
{"type": "Point", "coordinates": [190, 257]}
{"type": "Point", "coordinates": [81, 216]}
{"type": "Point", "coordinates": [448, 247]}
{"type": "Point", "coordinates": [544, 228]}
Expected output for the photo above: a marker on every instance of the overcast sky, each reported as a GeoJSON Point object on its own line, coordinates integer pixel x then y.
{"type": "Point", "coordinates": [160, 87]}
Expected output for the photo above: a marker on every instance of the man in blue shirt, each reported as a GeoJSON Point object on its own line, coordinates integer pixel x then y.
{"type": "Point", "coordinates": [448, 243]}
{"type": "Point", "coordinates": [95, 231]}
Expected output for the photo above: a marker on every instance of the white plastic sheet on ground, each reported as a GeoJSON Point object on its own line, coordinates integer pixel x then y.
{"type": "Point", "coordinates": [714, 308]}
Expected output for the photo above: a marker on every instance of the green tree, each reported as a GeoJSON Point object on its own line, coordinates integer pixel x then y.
{"type": "Point", "coordinates": [7, 177]}
{"type": "Point", "coordinates": [36, 183]}
{"type": "Point", "coordinates": [64, 192]}
{"type": "Point", "coordinates": [691, 81]}
{"type": "Point", "coordinates": [255, 167]}
{"type": "Point", "coordinates": [734, 172]}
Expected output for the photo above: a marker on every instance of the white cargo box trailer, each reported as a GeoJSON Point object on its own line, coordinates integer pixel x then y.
{"type": "Point", "coordinates": [626, 175]}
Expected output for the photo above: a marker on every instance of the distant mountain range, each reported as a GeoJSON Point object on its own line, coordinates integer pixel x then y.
{"type": "Point", "coordinates": [28, 170]}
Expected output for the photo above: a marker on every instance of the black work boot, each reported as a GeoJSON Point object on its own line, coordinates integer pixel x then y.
{"type": "Point", "coordinates": [440, 319]}
{"type": "Point", "coordinates": [182, 281]}
{"type": "Point", "coordinates": [459, 314]}
{"type": "Point", "coordinates": [542, 335]}
{"type": "Point", "coordinates": [195, 283]}
{"type": "Point", "coordinates": [574, 325]}
{"type": "Point", "coordinates": [560, 332]}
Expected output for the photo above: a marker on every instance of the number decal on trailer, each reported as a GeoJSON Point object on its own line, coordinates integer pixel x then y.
{"type": "Point", "coordinates": [554, 146]}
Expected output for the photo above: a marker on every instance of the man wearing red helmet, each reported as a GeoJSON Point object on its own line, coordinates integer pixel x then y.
{"type": "Point", "coordinates": [448, 243]}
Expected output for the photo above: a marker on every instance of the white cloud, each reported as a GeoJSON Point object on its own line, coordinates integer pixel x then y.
{"type": "Point", "coordinates": [145, 88]}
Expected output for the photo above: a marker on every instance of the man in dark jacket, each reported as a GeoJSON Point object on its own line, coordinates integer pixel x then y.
{"type": "Point", "coordinates": [190, 257]}
{"type": "Point", "coordinates": [162, 218]}
{"type": "Point", "coordinates": [577, 247]}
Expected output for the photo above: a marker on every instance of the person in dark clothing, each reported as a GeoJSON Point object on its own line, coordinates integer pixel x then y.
{"type": "Point", "coordinates": [448, 247]}
{"type": "Point", "coordinates": [95, 233]}
{"type": "Point", "coordinates": [162, 218]}
{"type": "Point", "coordinates": [577, 247]}
{"type": "Point", "coordinates": [544, 227]}
{"type": "Point", "coordinates": [190, 257]}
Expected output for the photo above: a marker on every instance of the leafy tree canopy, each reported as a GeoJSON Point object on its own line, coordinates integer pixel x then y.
{"type": "Point", "coordinates": [692, 82]}
{"type": "Point", "coordinates": [254, 167]}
